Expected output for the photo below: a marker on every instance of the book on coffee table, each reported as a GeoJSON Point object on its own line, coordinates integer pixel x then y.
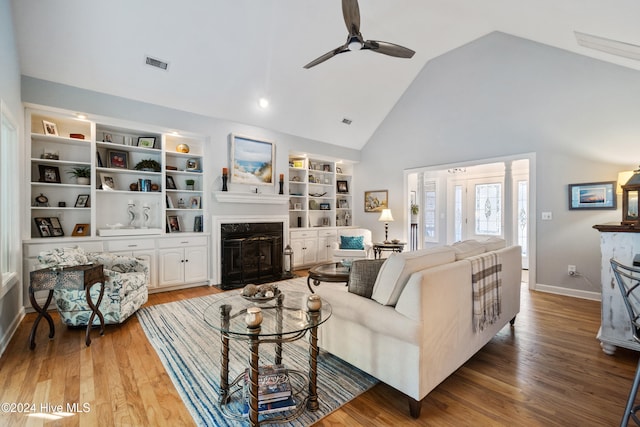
{"type": "Point", "coordinates": [273, 383]}
{"type": "Point", "coordinates": [287, 404]}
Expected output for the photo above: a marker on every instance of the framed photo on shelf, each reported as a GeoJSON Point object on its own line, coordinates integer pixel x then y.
{"type": "Point", "coordinates": [146, 141]}
{"type": "Point", "coordinates": [252, 160]}
{"type": "Point", "coordinates": [118, 159]}
{"type": "Point", "coordinates": [197, 223]}
{"type": "Point", "coordinates": [593, 195]}
{"type": "Point", "coordinates": [99, 160]}
{"type": "Point", "coordinates": [169, 202]}
{"type": "Point", "coordinates": [173, 224]}
{"type": "Point", "coordinates": [325, 206]}
{"type": "Point", "coordinates": [376, 201]}
{"type": "Point", "coordinates": [343, 204]}
{"type": "Point", "coordinates": [342, 186]}
{"type": "Point", "coordinates": [49, 174]}
{"type": "Point", "coordinates": [50, 128]}
{"type": "Point", "coordinates": [80, 230]}
{"type": "Point", "coordinates": [171, 185]}
{"type": "Point", "coordinates": [108, 182]}
{"type": "Point", "coordinates": [82, 201]}
{"type": "Point", "coordinates": [49, 227]}
{"type": "Point", "coordinates": [194, 202]}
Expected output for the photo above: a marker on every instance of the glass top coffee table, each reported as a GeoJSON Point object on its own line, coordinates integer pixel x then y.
{"type": "Point", "coordinates": [286, 318]}
{"type": "Point", "coordinates": [328, 272]}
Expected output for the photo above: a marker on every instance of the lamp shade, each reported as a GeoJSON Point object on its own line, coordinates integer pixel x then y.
{"type": "Point", "coordinates": [386, 216]}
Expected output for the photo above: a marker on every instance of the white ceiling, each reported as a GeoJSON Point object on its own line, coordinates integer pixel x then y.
{"type": "Point", "coordinates": [224, 55]}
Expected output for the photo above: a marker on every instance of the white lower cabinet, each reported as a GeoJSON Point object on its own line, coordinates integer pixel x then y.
{"type": "Point", "coordinates": [182, 260]}
{"type": "Point", "coordinates": [311, 246]}
{"type": "Point", "coordinates": [325, 242]}
{"type": "Point", "coordinates": [143, 249]}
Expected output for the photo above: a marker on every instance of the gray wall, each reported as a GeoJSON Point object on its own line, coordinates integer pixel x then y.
{"type": "Point", "coordinates": [502, 95]}
{"type": "Point", "coordinates": [10, 304]}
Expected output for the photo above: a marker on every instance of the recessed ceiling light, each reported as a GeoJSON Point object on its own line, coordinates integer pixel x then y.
{"type": "Point", "coordinates": [81, 116]}
{"type": "Point", "coordinates": [263, 103]}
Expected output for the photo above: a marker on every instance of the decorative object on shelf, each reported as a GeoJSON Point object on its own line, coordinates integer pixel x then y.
{"type": "Point", "coordinates": [343, 204]}
{"type": "Point", "coordinates": [386, 217]}
{"type": "Point", "coordinates": [593, 195]}
{"type": "Point", "coordinates": [297, 206]}
{"type": "Point", "coordinates": [155, 187]}
{"type": "Point", "coordinates": [338, 170]}
{"type": "Point", "coordinates": [197, 224]}
{"type": "Point", "coordinates": [49, 174]}
{"type": "Point", "coordinates": [375, 201]}
{"type": "Point", "coordinates": [190, 183]}
{"type": "Point", "coordinates": [106, 137]}
{"type": "Point", "coordinates": [281, 184]}
{"type": "Point", "coordinates": [80, 230]}
{"type": "Point", "coordinates": [342, 186]}
{"type": "Point", "coordinates": [144, 185]}
{"type": "Point", "coordinates": [50, 128]}
{"type": "Point", "coordinates": [50, 155]}
{"type": "Point", "coordinates": [42, 201]}
{"type": "Point", "coordinates": [82, 201]}
{"type": "Point", "coordinates": [146, 215]}
{"type": "Point", "coordinates": [147, 165]}
{"type": "Point", "coordinates": [118, 159]}
{"type": "Point", "coordinates": [325, 206]}
{"type": "Point", "coordinates": [298, 164]}
{"type": "Point", "coordinates": [318, 194]}
{"type": "Point", "coordinates": [326, 168]}
{"type": "Point", "coordinates": [299, 221]}
{"type": "Point", "coordinates": [171, 185]}
{"type": "Point", "coordinates": [146, 141]}
{"type": "Point", "coordinates": [192, 165]}
{"type": "Point", "coordinates": [194, 202]}
{"type": "Point", "coordinates": [173, 224]}
{"type": "Point", "coordinates": [313, 205]}
{"type": "Point", "coordinates": [326, 221]}
{"type": "Point", "coordinates": [182, 148]}
{"type": "Point", "coordinates": [347, 219]}
{"type": "Point", "coordinates": [99, 160]}
{"type": "Point", "coordinates": [49, 227]}
{"type": "Point", "coordinates": [131, 210]}
{"type": "Point", "coordinates": [81, 173]}
{"type": "Point", "coordinates": [169, 202]}
{"type": "Point", "coordinates": [108, 182]}
{"type": "Point", "coordinates": [288, 262]}
{"type": "Point", "coordinates": [76, 136]}
{"type": "Point", "coordinates": [181, 203]}
{"type": "Point", "coordinates": [252, 160]}
{"type": "Point", "coordinates": [631, 200]}
{"type": "Point", "coordinates": [62, 204]}
{"type": "Point", "coordinates": [133, 186]}
{"type": "Point", "coordinates": [225, 176]}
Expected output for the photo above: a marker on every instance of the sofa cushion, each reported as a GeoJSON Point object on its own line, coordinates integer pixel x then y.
{"type": "Point", "coordinates": [396, 270]}
{"type": "Point", "coordinates": [493, 244]}
{"type": "Point", "coordinates": [468, 248]}
{"type": "Point", "coordinates": [352, 242]}
{"type": "Point", "coordinates": [363, 276]}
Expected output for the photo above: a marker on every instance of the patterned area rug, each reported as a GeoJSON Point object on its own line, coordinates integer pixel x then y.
{"type": "Point", "coordinates": [190, 352]}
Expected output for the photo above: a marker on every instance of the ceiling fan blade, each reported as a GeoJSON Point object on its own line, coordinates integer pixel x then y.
{"type": "Point", "coordinates": [389, 49]}
{"type": "Point", "coordinates": [351, 13]}
{"type": "Point", "coordinates": [326, 56]}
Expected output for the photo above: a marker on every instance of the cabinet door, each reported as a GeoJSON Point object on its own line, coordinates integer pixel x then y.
{"type": "Point", "coordinates": [297, 246]}
{"type": "Point", "coordinates": [324, 249]}
{"type": "Point", "coordinates": [195, 264]}
{"type": "Point", "coordinates": [310, 251]}
{"type": "Point", "coordinates": [171, 266]}
{"type": "Point", "coordinates": [149, 259]}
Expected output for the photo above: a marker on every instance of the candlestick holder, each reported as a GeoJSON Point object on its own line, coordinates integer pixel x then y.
{"type": "Point", "coordinates": [281, 188]}
{"type": "Point", "coordinates": [224, 182]}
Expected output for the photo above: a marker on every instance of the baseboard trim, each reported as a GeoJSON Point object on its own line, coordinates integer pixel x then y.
{"type": "Point", "coordinates": [575, 293]}
{"type": "Point", "coordinates": [13, 327]}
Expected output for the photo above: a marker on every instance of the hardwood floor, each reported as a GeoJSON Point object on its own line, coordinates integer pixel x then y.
{"type": "Point", "coordinates": [548, 370]}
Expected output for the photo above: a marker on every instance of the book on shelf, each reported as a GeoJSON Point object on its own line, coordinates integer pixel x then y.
{"type": "Point", "coordinates": [287, 404]}
{"type": "Point", "coordinates": [273, 383]}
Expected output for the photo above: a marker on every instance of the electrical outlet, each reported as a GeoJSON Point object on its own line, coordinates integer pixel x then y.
{"type": "Point", "coordinates": [572, 270]}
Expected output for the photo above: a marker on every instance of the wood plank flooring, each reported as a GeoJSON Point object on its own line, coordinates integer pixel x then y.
{"type": "Point", "coordinates": [548, 370]}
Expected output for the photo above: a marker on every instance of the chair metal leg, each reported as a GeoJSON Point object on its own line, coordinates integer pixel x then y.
{"type": "Point", "coordinates": [629, 409]}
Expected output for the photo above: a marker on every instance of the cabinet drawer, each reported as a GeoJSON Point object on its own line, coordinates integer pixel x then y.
{"type": "Point", "coordinates": [130, 245]}
{"type": "Point", "coordinates": [33, 250]}
{"type": "Point", "coordinates": [327, 233]}
{"type": "Point", "coordinates": [303, 234]}
{"type": "Point", "coordinates": [176, 242]}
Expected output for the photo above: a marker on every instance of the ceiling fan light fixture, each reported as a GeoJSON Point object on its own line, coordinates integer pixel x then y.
{"type": "Point", "coordinates": [354, 45]}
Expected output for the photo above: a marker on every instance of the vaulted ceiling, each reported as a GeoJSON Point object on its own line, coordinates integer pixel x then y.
{"type": "Point", "coordinates": [224, 55]}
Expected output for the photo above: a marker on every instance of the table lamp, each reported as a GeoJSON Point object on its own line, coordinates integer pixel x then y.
{"type": "Point", "coordinates": [386, 217]}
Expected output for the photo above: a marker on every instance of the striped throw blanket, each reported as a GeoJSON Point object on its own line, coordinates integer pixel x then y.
{"type": "Point", "coordinates": [486, 280]}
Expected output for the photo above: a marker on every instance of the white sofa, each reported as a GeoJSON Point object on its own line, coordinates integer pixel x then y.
{"type": "Point", "coordinates": [417, 327]}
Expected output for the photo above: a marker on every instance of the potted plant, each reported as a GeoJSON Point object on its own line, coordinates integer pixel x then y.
{"type": "Point", "coordinates": [414, 213]}
{"type": "Point", "coordinates": [82, 174]}
{"type": "Point", "coordinates": [190, 184]}
{"type": "Point", "coordinates": [147, 165]}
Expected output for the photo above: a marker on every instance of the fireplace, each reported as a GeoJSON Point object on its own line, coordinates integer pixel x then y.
{"type": "Point", "coordinates": [250, 252]}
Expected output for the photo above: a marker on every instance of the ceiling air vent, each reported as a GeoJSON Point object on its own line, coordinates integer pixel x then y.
{"type": "Point", "coordinates": [346, 121]}
{"type": "Point", "coordinates": [158, 63]}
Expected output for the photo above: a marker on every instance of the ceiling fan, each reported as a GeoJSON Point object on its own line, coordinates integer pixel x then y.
{"type": "Point", "coordinates": [355, 41]}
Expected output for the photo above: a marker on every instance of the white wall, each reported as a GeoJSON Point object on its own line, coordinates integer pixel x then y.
{"type": "Point", "coordinates": [10, 304]}
{"type": "Point", "coordinates": [502, 95]}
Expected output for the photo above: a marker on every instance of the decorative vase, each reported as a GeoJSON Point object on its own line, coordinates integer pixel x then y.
{"type": "Point", "coordinates": [224, 182]}
{"type": "Point", "coordinates": [82, 180]}
{"type": "Point", "coordinates": [146, 215]}
{"type": "Point", "coordinates": [132, 213]}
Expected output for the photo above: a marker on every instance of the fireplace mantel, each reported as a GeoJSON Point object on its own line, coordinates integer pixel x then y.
{"type": "Point", "coordinates": [254, 198]}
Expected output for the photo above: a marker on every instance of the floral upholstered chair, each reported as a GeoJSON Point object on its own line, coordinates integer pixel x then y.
{"type": "Point", "coordinates": [125, 291]}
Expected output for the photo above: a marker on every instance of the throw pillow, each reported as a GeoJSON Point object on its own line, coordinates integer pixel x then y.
{"type": "Point", "coordinates": [352, 242]}
{"type": "Point", "coordinates": [468, 248]}
{"type": "Point", "coordinates": [363, 276]}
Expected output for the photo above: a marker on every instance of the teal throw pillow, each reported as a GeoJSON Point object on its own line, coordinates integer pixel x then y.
{"type": "Point", "coordinates": [351, 242]}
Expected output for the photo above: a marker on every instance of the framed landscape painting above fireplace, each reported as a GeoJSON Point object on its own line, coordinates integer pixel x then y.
{"type": "Point", "coordinates": [251, 160]}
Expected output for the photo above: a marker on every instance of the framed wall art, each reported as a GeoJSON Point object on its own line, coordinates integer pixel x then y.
{"type": "Point", "coordinates": [342, 186]}
{"type": "Point", "coordinates": [252, 160]}
{"type": "Point", "coordinates": [118, 159]}
{"type": "Point", "coordinates": [376, 201]}
{"type": "Point", "coordinates": [146, 141]}
{"type": "Point", "coordinates": [593, 195]}
{"type": "Point", "coordinates": [50, 128]}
